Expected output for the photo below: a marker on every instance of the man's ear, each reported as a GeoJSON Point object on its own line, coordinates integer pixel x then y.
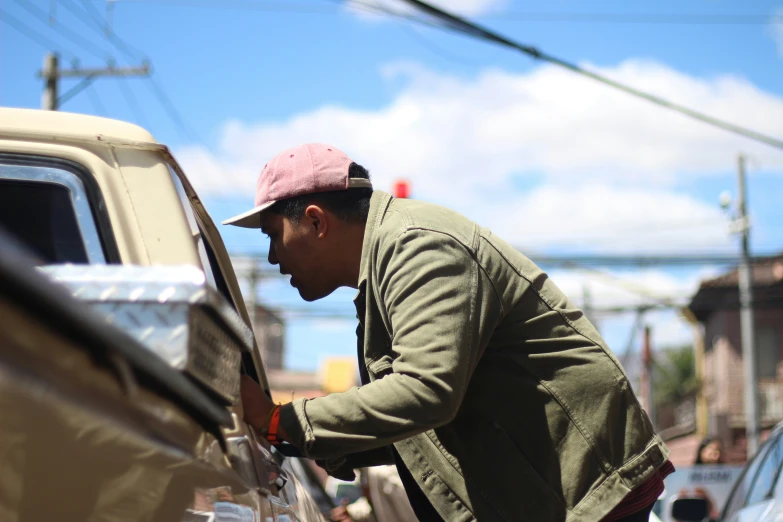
{"type": "Point", "coordinates": [318, 219]}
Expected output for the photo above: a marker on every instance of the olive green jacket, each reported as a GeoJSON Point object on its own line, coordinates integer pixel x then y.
{"type": "Point", "coordinates": [499, 395]}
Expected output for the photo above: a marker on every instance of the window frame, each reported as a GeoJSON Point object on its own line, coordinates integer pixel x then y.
{"type": "Point", "coordinates": [772, 452]}
{"type": "Point", "coordinates": [214, 274]}
{"type": "Point", "coordinates": [94, 204]}
{"type": "Point", "coordinates": [752, 467]}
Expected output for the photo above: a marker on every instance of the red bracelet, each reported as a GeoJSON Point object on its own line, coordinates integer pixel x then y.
{"type": "Point", "coordinates": [274, 425]}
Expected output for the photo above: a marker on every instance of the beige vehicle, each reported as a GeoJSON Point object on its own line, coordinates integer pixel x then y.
{"type": "Point", "coordinates": [120, 358]}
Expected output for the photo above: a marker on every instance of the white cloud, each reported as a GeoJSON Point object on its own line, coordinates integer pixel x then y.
{"type": "Point", "coordinates": [609, 289]}
{"type": "Point", "coordinates": [367, 8]}
{"type": "Point", "coordinates": [603, 165]}
{"type": "Point", "coordinates": [602, 216]}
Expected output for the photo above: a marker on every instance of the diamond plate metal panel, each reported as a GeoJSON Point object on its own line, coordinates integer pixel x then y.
{"type": "Point", "coordinates": [171, 311]}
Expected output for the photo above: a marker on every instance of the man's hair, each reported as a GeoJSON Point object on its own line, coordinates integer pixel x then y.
{"type": "Point", "coordinates": [351, 205]}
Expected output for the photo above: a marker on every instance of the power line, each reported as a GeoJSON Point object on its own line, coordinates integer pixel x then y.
{"type": "Point", "coordinates": [608, 235]}
{"type": "Point", "coordinates": [432, 47]}
{"type": "Point", "coordinates": [133, 104]}
{"type": "Point", "coordinates": [377, 8]}
{"type": "Point", "coordinates": [592, 260]}
{"type": "Point", "coordinates": [32, 34]}
{"type": "Point", "coordinates": [642, 18]}
{"type": "Point", "coordinates": [460, 25]}
{"type": "Point", "coordinates": [79, 13]}
{"type": "Point", "coordinates": [96, 102]}
{"type": "Point", "coordinates": [74, 37]}
{"type": "Point", "coordinates": [586, 17]}
{"type": "Point", "coordinates": [108, 33]}
{"type": "Point", "coordinates": [99, 22]}
{"type": "Point", "coordinates": [173, 113]}
{"type": "Point", "coordinates": [315, 8]}
{"type": "Point", "coordinates": [157, 89]}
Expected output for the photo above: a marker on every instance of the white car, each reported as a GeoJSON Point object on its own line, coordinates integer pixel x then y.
{"type": "Point", "coordinates": [757, 495]}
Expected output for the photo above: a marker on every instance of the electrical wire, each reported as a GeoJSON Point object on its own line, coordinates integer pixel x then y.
{"type": "Point", "coordinates": [315, 8]}
{"type": "Point", "coordinates": [71, 35]}
{"type": "Point", "coordinates": [692, 259]}
{"type": "Point", "coordinates": [570, 17]}
{"type": "Point", "coordinates": [32, 34]}
{"type": "Point", "coordinates": [134, 54]}
{"type": "Point", "coordinates": [433, 47]}
{"type": "Point", "coordinates": [173, 113]}
{"type": "Point", "coordinates": [463, 26]}
{"type": "Point", "coordinates": [378, 9]}
{"type": "Point", "coordinates": [133, 104]}
{"type": "Point", "coordinates": [88, 8]}
{"type": "Point", "coordinates": [103, 27]}
{"type": "Point", "coordinates": [96, 102]}
{"type": "Point", "coordinates": [642, 18]}
{"type": "Point", "coordinates": [80, 14]}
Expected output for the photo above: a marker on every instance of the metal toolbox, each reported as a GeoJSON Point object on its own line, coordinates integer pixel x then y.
{"type": "Point", "coordinates": [172, 311]}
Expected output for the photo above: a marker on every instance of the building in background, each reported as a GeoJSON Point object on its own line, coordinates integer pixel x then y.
{"type": "Point", "coordinates": [716, 307]}
{"type": "Point", "coordinates": [336, 374]}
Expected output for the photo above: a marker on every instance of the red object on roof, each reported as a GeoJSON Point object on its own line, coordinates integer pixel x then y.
{"type": "Point", "coordinates": [402, 189]}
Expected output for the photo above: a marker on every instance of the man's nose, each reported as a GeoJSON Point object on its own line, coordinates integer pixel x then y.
{"type": "Point", "coordinates": [272, 256]}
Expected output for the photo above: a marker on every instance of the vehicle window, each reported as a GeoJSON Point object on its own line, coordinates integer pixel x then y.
{"type": "Point", "coordinates": [46, 208]}
{"type": "Point", "coordinates": [739, 494]}
{"type": "Point", "coordinates": [207, 266]}
{"type": "Point", "coordinates": [768, 472]}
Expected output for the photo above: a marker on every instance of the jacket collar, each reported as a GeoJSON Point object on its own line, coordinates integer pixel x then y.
{"type": "Point", "coordinates": [379, 202]}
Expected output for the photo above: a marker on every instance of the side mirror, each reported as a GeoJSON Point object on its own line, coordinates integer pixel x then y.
{"type": "Point", "coordinates": [690, 509]}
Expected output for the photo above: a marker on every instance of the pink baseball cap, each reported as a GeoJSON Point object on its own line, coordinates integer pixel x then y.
{"type": "Point", "coordinates": [302, 170]}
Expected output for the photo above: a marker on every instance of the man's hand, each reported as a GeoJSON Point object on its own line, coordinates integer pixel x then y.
{"type": "Point", "coordinates": [256, 405]}
{"type": "Point", "coordinates": [340, 514]}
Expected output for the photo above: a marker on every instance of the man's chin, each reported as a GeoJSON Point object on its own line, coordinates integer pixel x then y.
{"type": "Point", "coordinates": [310, 296]}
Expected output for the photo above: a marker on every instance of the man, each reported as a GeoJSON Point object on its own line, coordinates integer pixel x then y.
{"type": "Point", "coordinates": [495, 397]}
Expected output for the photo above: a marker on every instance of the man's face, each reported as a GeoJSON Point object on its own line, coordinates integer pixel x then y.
{"type": "Point", "coordinates": [299, 251]}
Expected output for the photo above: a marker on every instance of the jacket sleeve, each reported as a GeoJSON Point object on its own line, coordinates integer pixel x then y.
{"type": "Point", "coordinates": [342, 467]}
{"type": "Point", "coordinates": [442, 309]}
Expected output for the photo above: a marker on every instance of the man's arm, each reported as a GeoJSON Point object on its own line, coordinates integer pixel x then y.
{"type": "Point", "coordinates": [442, 309]}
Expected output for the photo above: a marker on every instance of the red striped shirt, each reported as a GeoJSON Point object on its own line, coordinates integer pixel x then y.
{"type": "Point", "coordinates": [641, 497]}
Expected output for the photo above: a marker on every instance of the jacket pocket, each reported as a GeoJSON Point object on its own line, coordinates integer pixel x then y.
{"type": "Point", "coordinates": [498, 471]}
{"type": "Point", "coordinates": [526, 468]}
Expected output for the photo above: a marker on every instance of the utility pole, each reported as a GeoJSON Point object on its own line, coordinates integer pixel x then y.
{"type": "Point", "coordinates": [747, 321]}
{"type": "Point", "coordinates": [51, 73]}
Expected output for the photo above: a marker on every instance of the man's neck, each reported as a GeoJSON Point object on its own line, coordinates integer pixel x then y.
{"type": "Point", "coordinates": [349, 254]}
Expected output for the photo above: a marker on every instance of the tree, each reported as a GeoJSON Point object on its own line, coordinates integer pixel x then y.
{"type": "Point", "coordinates": [675, 375]}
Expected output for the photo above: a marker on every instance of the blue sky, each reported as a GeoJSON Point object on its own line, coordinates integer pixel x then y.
{"type": "Point", "coordinates": [549, 161]}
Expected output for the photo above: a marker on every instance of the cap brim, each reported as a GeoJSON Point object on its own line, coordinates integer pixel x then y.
{"type": "Point", "coordinates": [249, 219]}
